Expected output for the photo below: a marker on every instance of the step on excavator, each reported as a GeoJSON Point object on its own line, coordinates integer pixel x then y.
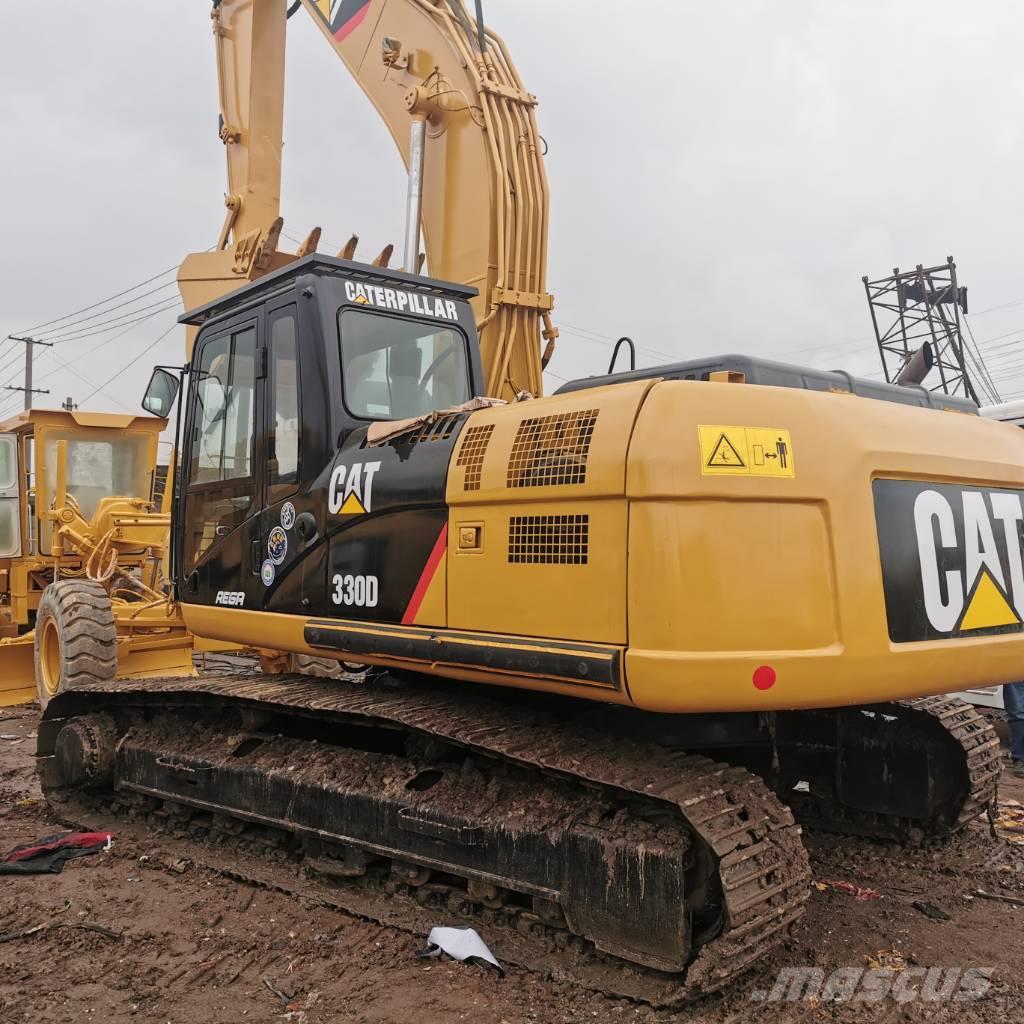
{"type": "Point", "coordinates": [624, 638]}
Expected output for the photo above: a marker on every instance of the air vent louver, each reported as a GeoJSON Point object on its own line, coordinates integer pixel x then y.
{"type": "Point", "coordinates": [550, 450]}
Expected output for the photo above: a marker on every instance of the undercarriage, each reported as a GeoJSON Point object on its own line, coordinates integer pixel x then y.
{"type": "Point", "coordinates": [632, 866]}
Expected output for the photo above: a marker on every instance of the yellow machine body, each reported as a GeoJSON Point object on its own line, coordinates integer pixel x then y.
{"type": "Point", "coordinates": [713, 589]}
{"type": "Point", "coordinates": [74, 485]}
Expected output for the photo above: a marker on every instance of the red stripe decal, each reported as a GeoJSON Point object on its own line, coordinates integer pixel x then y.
{"type": "Point", "coordinates": [352, 24]}
{"type": "Point", "coordinates": [426, 576]}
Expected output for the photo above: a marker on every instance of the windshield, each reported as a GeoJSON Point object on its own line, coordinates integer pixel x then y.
{"type": "Point", "coordinates": [100, 464]}
{"type": "Point", "coordinates": [395, 369]}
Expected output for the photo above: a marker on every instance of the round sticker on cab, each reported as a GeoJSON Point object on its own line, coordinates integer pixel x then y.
{"type": "Point", "coordinates": [287, 515]}
{"type": "Point", "coordinates": [277, 545]}
{"type": "Point", "coordinates": [267, 572]}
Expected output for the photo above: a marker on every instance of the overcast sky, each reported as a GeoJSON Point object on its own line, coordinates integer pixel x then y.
{"type": "Point", "coordinates": [721, 174]}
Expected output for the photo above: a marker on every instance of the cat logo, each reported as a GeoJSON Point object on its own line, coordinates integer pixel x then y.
{"type": "Point", "coordinates": [952, 559]}
{"type": "Point", "coordinates": [343, 17]}
{"type": "Point", "coordinates": [351, 489]}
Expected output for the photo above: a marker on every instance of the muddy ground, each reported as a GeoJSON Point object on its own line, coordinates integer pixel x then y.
{"type": "Point", "coordinates": [190, 945]}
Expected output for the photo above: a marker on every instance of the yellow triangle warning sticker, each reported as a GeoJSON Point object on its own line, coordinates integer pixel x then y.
{"type": "Point", "coordinates": [352, 506]}
{"type": "Point", "coordinates": [724, 454]}
{"type": "Point", "coordinates": [988, 607]}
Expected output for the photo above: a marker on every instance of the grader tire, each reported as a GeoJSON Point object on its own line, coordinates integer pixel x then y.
{"type": "Point", "coordinates": [76, 639]}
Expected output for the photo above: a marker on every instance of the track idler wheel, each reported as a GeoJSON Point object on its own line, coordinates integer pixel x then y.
{"type": "Point", "coordinates": [84, 752]}
{"type": "Point", "coordinates": [75, 638]}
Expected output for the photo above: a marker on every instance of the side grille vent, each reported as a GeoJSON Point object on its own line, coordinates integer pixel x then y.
{"type": "Point", "coordinates": [471, 454]}
{"type": "Point", "coordinates": [548, 540]}
{"type": "Point", "coordinates": [439, 430]}
{"type": "Point", "coordinates": [552, 449]}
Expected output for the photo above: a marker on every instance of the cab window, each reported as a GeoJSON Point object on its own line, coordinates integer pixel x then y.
{"type": "Point", "coordinates": [220, 479]}
{"type": "Point", "coordinates": [284, 398]}
{"type": "Point", "coordinates": [396, 369]}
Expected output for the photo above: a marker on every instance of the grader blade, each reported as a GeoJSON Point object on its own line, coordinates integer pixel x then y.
{"type": "Point", "coordinates": [139, 657]}
{"type": "Point", "coordinates": [17, 671]}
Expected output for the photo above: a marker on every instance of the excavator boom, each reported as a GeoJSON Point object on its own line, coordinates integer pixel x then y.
{"type": "Point", "coordinates": [464, 123]}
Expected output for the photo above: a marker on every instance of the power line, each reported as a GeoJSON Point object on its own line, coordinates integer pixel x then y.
{"type": "Point", "coordinates": [984, 377]}
{"type": "Point", "coordinates": [75, 324]}
{"type": "Point", "coordinates": [130, 364]}
{"type": "Point", "coordinates": [607, 340]}
{"type": "Point", "coordinates": [174, 304]}
{"type": "Point", "coordinates": [67, 366]}
{"type": "Point", "coordinates": [1005, 305]}
{"type": "Point", "coordinates": [101, 345]}
{"type": "Point", "coordinates": [110, 298]}
{"type": "Point", "coordinates": [10, 363]}
{"type": "Point", "coordinates": [92, 331]}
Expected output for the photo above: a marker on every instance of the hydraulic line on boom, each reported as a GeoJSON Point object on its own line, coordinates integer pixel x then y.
{"type": "Point", "coordinates": [465, 126]}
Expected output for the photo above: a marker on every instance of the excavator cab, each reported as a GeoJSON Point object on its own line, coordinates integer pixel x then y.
{"type": "Point", "coordinates": [286, 377]}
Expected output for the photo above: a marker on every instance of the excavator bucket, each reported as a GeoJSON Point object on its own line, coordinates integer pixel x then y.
{"type": "Point", "coordinates": [17, 671]}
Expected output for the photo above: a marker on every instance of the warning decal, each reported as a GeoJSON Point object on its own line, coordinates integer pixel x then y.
{"type": "Point", "coordinates": [725, 455]}
{"type": "Point", "coordinates": [745, 451]}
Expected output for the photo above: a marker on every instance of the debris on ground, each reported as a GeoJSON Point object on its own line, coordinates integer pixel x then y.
{"type": "Point", "coordinates": [999, 897]}
{"type": "Point", "coordinates": [930, 910]}
{"type": "Point", "coordinates": [1010, 821]}
{"type": "Point", "coordinates": [856, 891]}
{"type": "Point", "coordinates": [460, 944]}
{"type": "Point", "coordinates": [887, 960]}
{"type": "Point", "coordinates": [47, 856]}
{"type": "Point", "coordinates": [82, 926]}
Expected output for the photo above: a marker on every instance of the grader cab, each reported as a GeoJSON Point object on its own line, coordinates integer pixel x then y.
{"type": "Point", "coordinates": [80, 499]}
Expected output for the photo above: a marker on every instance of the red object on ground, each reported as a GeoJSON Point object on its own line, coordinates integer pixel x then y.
{"type": "Point", "coordinates": [856, 891]}
{"type": "Point", "coordinates": [47, 855]}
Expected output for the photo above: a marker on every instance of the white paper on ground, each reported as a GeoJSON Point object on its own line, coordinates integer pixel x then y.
{"type": "Point", "coordinates": [460, 944]}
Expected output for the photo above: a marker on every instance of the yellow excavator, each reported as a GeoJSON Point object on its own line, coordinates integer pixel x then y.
{"type": "Point", "coordinates": [709, 600]}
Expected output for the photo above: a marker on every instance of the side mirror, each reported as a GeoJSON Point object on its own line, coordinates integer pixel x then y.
{"type": "Point", "coordinates": [160, 393]}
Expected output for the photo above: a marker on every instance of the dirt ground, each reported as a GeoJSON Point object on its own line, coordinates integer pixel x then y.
{"type": "Point", "coordinates": [196, 946]}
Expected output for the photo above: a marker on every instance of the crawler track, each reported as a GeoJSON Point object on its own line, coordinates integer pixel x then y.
{"type": "Point", "coordinates": [927, 768]}
{"type": "Point", "coordinates": [746, 872]}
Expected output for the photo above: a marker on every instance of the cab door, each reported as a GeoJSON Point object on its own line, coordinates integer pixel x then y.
{"type": "Point", "coordinates": [283, 536]}
{"type": "Point", "coordinates": [221, 543]}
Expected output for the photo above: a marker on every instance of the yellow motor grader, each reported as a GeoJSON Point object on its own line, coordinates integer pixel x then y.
{"type": "Point", "coordinates": [78, 501]}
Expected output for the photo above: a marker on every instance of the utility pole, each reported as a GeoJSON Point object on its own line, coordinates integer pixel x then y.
{"type": "Point", "coordinates": [30, 344]}
{"type": "Point", "coordinates": [68, 405]}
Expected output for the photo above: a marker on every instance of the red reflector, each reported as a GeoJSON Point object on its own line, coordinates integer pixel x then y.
{"type": "Point", "coordinates": [764, 677]}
